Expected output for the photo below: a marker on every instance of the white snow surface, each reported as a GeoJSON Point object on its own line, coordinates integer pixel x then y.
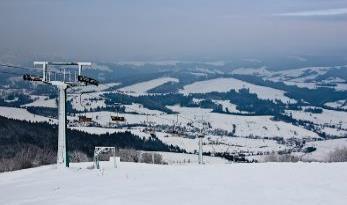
{"type": "Point", "coordinates": [227, 106]}
{"type": "Point", "coordinates": [307, 78]}
{"type": "Point", "coordinates": [327, 117]}
{"type": "Point", "coordinates": [87, 101]}
{"type": "Point", "coordinates": [226, 84]}
{"type": "Point", "coordinates": [184, 158]}
{"type": "Point", "coordinates": [42, 101]}
{"type": "Point", "coordinates": [23, 114]}
{"type": "Point", "coordinates": [324, 148]}
{"type": "Point", "coordinates": [341, 86]}
{"type": "Point", "coordinates": [131, 184]}
{"type": "Point", "coordinates": [225, 144]}
{"type": "Point", "coordinates": [246, 125]}
{"type": "Point", "coordinates": [262, 71]}
{"type": "Point", "coordinates": [143, 87]}
{"type": "Point", "coordinates": [342, 104]}
{"type": "Point", "coordinates": [139, 109]}
{"type": "Point", "coordinates": [299, 75]}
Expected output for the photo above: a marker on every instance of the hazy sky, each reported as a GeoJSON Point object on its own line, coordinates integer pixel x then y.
{"type": "Point", "coordinates": [110, 30]}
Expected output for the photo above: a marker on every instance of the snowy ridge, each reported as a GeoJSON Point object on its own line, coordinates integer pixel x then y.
{"type": "Point", "coordinates": [143, 87]}
{"type": "Point", "coordinates": [226, 84]}
{"type": "Point", "coordinates": [299, 75]}
{"type": "Point", "coordinates": [252, 71]}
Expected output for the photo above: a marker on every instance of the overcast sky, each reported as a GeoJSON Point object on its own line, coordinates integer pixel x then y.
{"type": "Point", "coordinates": [111, 30]}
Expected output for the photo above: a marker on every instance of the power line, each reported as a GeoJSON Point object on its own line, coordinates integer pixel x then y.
{"type": "Point", "coordinates": [17, 67]}
{"type": "Point", "coordinates": [11, 73]}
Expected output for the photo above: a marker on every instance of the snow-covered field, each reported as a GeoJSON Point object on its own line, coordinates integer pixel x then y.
{"type": "Point", "coordinates": [263, 183]}
{"type": "Point", "coordinates": [246, 125]}
{"type": "Point", "coordinates": [299, 75]}
{"type": "Point", "coordinates": [327, 117]}
{"type": "Point", "coordinates": [138, 108]}
{"type": "Point", "coordinates": [262, 71]}
{"type": "Point", "coordinates": [324, 148]}
{"type": "Point", "coordinates": [227, 106]}
{"type": "Point", "coordinates": [23, 114]}
{"type": "Point", "coordinates": [42, 101]}
{"type": "Point", "coordinates": [304, 77]}
{"type": "Point", "coordinates": [341, 104]}
{"type": "Point", "coordinates": [87, 101]}
{"type": "Point", "coordinates": [226, 84]}
{"type": "Point", "coordinates": [222, 144]}
{"type": "Point", "coordinates": [143, 87]}
{"type": "Point", "coordinates": [183, 158]}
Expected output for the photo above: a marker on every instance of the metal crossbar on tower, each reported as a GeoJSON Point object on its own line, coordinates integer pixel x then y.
{"type": "Point", "coordinates": [62, 84]}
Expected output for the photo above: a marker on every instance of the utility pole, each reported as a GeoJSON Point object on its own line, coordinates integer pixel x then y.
{"type": "Point", "coordinates": [200, 159]}
{"type": "Point", "coordinates": [62, 85]}
{"type": "Point", "coordinates": [201, 135]}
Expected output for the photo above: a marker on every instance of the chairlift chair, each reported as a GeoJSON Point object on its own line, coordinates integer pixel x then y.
{"type": "Point", "coordinates": [117, 118]}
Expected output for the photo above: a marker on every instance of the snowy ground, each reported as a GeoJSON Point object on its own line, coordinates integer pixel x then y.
{"type": "Point", "coordinates": [245, 125]}
{"type": "Point", "coordinates": [324, 148]}
{"type": "Point", "coordinates": [188, 159]}
{"type": "Point", "coordinates": [42, 101]}
{"type": "Point", "coordinates": [341, 104]}
{"type": "Point", "coordinates": [222, 144]}
{"type": "Point", "coordinates": [304, 77]}
{"type": "Point", "coordinates": [263, 183]}
{"type": "Point", "coordinates": [226, 84]}
{"type": "Point", "coordinates": [143, 87]}
{"type": "Point", "coordinates": [23, 114]}
{"type": "Point", "coordinates": [327, 117]}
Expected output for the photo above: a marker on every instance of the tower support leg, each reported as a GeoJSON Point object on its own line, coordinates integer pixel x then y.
{"type": "Point", "coordinates": [62, 159]}
{"type": "Point", "coordinates": [200, 151]}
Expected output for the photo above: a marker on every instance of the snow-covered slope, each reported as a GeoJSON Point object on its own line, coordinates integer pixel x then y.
{"type": "Point", "coordinates": [340, 104]}
{"type": "Point", "coordinates": [310, 77]}
{"type": "Point", "coordinates": [246, 125]}
{"type": "Point", "coordinates": [86, 101]}
{"type": "Point", "coordinates": [42, 101]}
{"type": "Point", "coordinates": [252, 71]}
{"type": "Point", "coordinates": [130, 184]}
{"type": "Point", "coordinates": [228, 107]}
{"type": "Point", "coordinates": [327, 117]}
{"type": "Point", "coordinates": [226, 84]}
{"type": "Point", "coordinates": [143, 87]}
{"type": "Point", "coordinates": [23, 114]}
{"type": "Point", "coordinates": [186, 159]}
{"type": "Point", "coordinates": [219, 144]}
{"type": "Point", "coordinates": [323, 148]}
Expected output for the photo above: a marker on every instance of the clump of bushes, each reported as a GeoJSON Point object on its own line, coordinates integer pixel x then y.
{"type": "Point", "coordinates": [338, 155]}
{"type": "Point", "coordinates": [78, 156]}
{"type": "Point", "coordinates": [274, 157]}
{"type": "Point", "coordinates": [154, 158]}
{"type": "Point", "coordinates": [29, 156]}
